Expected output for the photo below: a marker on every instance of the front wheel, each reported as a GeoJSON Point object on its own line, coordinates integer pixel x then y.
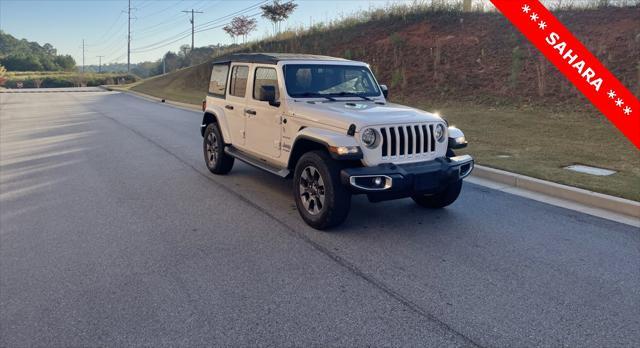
{"type": "Point", "coordinates": [218, 162]}
{"type": "Point", "coordinates": [441, 199]}
{"type": "Point", "coordinates": [322, 201]}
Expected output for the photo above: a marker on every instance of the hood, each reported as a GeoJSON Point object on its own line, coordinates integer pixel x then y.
{"type": "Point", "coordinates": [341, 114]}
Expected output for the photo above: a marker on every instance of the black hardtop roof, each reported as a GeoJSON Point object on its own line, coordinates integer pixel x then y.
{"type": "Point", "coordinates": [271, 58]}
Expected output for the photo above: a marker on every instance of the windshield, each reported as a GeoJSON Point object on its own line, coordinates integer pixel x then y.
{"type": "Point", "coordinates": [316, 80]}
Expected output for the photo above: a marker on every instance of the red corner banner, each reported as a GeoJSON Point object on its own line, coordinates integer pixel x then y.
{"type": "Point", "coordinates": [581, 67]}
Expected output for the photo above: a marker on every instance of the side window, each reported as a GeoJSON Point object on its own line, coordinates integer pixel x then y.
{"type": "Point", "coordinates": [218, 82]}
{"type": "Point", "coordinates": [238, 84]}
{"type": "Point", "coordinates": [265, 77]}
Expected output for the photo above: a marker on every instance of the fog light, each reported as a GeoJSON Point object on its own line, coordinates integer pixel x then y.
{"type": "Point", "coordinates": [371, 182]}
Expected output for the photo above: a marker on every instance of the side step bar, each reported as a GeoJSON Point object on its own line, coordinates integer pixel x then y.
{"type": "Point", "coordinates": [256, 162]}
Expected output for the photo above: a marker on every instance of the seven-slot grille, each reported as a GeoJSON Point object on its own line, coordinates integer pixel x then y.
{"type": "Point", "coordinates": [407, 141]}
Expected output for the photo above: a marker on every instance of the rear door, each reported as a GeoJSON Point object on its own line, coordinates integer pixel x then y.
{"type": "Point", "coordinates": [263, 120]}
{"type": "Point", "coordinates": [236, 101]}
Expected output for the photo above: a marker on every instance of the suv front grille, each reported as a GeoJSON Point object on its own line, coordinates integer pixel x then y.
{"type": "Point", "coordinates": [407, 141]}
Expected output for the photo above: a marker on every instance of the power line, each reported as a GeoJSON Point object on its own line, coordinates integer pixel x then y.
{"type": "Point", "coordinates": [115, 37]}
{"type": "Point", "coordinates": [110, 27]}
{"type": "Point", "coordinates": [118, 58]}
{"type": "Point", "coordinates": [165, 23]}
{"type": "Point", "coordinates": [145, 4]}
{"type": "Point", "coordinates": [247, 9]}
{"type": "Point", "coordinates": [193, 12]}
{"type": "Point", "coordinates": [199, 28]}
{"type": "Point", "coordinates": [160, 28]}
{"type": "Point", "coordinates": [222, 25]}
{"type": "Point", "coordinates": [217, 20]}
{"type": "Point", "coordinates": [163, 44]}
{"type": "Point", "coordinates": [163, 10]}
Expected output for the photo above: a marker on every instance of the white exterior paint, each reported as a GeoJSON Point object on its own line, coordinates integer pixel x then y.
{"type": "Point", "coordinates": [271, 133]}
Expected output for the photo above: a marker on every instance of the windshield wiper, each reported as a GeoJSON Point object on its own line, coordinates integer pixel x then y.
{"type": "Point", "coordinates": [315, 95]}
{"type": "Point", "coordinates": [350, 94]}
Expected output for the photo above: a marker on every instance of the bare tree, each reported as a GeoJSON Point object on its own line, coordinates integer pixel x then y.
{"type": "Point", "coordinates": [229, 29]}
{"type": "Point", "coordinates": [277, 12]}
{"type": "Point", "coordinates": [240, 26]}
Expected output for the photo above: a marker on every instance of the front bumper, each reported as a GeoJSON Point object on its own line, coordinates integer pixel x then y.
{"type": "Point", "coordinates": [392, 181]}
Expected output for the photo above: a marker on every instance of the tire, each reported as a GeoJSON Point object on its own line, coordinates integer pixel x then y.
{"type": "Point", "coordinates": [218, 162]}
{"type": "Point", "coordinates": [441, 199]}
{"type": "Point", "coordinates": [322, 201]}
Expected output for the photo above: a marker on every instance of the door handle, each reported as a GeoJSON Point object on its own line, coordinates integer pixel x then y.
{"type": "Point", "coordinates": [230, 107]}
{"type": "Point", "coordinates": [250, 112]}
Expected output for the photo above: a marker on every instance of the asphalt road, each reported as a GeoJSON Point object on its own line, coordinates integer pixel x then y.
{"type": "Point", "coordinates": [113, 233]}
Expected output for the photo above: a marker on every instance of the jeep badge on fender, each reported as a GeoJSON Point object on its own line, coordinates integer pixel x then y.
{"type": "Point", "coordinates": [326, 123]}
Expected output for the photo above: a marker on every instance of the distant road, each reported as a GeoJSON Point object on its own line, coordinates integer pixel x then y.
{"type": "Point", "coordinates": [52, 90]}
{"type": "Point", "coordinates": [113, 233]}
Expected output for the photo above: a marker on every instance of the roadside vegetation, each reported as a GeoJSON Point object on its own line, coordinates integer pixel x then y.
{"type": "Point", "coordinates": [52, 79]}
{"type": "Point", "coordinates": [470, 64]}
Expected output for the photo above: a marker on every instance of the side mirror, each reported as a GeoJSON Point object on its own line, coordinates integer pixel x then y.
{"type": "Point", "coordinates": [385, 91]}
{"type": "Point", "coordinates": [268, 94]}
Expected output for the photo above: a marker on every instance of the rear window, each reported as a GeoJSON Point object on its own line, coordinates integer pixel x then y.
{"type": "Point", "coordinates": [239, 76]}
{"type": "Point", "coordinates": [218, 82]}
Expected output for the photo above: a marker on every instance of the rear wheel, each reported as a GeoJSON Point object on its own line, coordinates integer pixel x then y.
{"type": "Point", "coordinates": [441, 199]}
{"type": "Point", "coordinates": [322, 201]}
{"type": "Point", "coordinates": [218, 162]}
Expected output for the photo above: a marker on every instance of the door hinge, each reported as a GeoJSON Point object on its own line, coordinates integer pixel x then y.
{"type": "Point", "coordinates": [277, 145]}
{"type": "Point", "coordinates": [242, 132]}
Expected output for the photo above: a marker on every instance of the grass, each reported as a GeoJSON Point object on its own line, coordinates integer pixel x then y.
{"type": "Point", "coordinates": [538, 142]}
{"type": "Point", "coordinates": [185, 86]}
{"type": "Point", "coordinates": [511, 128]}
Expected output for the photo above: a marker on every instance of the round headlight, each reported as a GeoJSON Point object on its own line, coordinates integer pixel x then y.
{"type": "Point", "coordinates": [369, 137]}
{"type": "Point", "coordinates": [439, 132]}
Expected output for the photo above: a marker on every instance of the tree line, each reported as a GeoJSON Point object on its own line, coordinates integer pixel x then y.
{"type": "Point", "coordinates": [23, 55]}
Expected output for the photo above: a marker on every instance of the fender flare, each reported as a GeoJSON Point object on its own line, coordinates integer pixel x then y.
{"type": "Point", "coordinates": [457, 139]}
{"type": "Point", "coordinates": [211, 117]}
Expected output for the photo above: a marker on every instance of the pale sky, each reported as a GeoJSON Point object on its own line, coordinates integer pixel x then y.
{"type": "Point", "coordinates": [158, 25]}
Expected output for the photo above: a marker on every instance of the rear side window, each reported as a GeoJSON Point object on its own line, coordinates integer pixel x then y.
{"type": "Point", "coordinates": [218, 82]}
{"type": "Point", "coordinates": [239, 76]}
{"type": "Point", "coordinates": [265, 77]}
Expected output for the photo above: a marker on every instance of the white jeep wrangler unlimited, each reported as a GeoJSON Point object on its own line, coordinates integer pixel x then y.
{"type": "Point", "coordinates": [325, 122]}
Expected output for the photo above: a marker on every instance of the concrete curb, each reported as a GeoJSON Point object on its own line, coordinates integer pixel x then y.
{"type": "Point", "coordinates": [577, 195]}
{"type": "Point", "coordinates": [191, 107]}
{"type": "Point", "coordinates": [588, 198]}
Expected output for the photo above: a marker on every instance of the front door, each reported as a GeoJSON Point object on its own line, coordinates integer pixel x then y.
{"type": "Point", "coordinates": [263, 120]}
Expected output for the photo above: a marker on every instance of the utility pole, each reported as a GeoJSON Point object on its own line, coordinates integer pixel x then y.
{"type": "Point", "coordinates": [192, 25]}
{"type": "Point", "coordinates": [99, 64]}
{"type": "Point", "coordinates": [83, 56]}
{"type": "Point", "coordinates": [129, 40]}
